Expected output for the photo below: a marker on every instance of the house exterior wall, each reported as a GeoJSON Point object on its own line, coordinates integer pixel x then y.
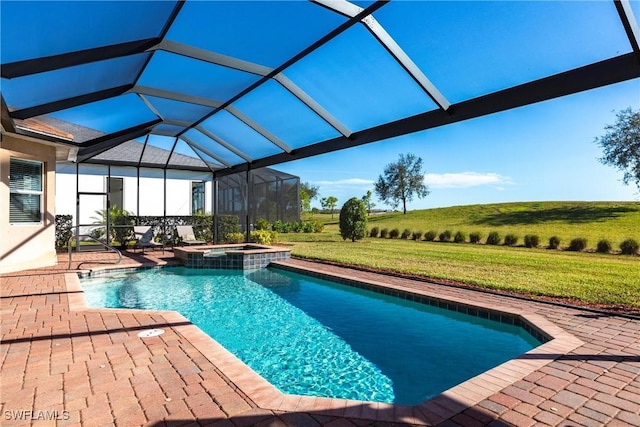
{"type": "Point", "coordinates": [151, 190]}
{"type": "Point", "coordinates": [25, 246]}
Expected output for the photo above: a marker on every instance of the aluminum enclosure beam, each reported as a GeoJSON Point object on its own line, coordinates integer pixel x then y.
{"type": "Point", "coordinates": [75, 101]}
{"type": "Point", "coordinates": [607, 72]}
{"type": "Point", "coordinates": [225, 144]}
{"type": "Point", "coordinates": [250, 67]}
{"type": "Point", "coordinates": [80, 57]}
{"type": "Point", "coordinates": [351, 10]}
{"type": "Point", "coordinates": [256, 127]}
{"type": "Point", "coordinates": [175, 96]}
{"type": "Point", "coordinates": [197, 146]}
{"type": "Point", "coordinates": [212, 57]}
{"type": "Point", "coordinates": [101, 144]}
{"type": "Point", "coordinates": [630, 24]}
{"type": "Point", "coordinates": [311, 103]}
{"type": "Point", "coordinates": [316, 45]}
{"type": "Point", "coordinates": [7, 121]}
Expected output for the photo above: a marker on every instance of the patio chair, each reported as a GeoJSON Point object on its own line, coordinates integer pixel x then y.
{"type": "Point", "coordinates": [187, 236]}
{"type": "Point", "coordinates": [144, 237]}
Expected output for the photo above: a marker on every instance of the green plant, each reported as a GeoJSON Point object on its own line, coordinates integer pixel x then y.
{"type": "Point", "coordinates": [64, 224]}
{"type": "Point", "coordinates": [629, 247]}
{"type": "Point", "coordinates": [262, 224]}
{"type": "Point", "coordinates": [603, 246]}
{"type": "Point", "coordinates": [374, 232]}
{"type": "Point", "coordinates": [494, 238]}
{"type": "Point", "coordinates": [475, 237]}
{"type": "Point", "coordinates": [406, 233]}
{"type": "Point", "coordinates": [430, 235]}
{"type": "Point", "coordinates": [263, 237]}
{"type": "Point", "coordinates": [384, 233]}
{"type": "Point", "coordinates": [121, 224]}
{"type": "Point", "coordinates": [353, 220]}
{"type": "Point", "coordinates": [460, 237]}
{"type": "Point", "coordinates": [318, 226]}
{"type": "Point", "coordinates": [234, 237]}
{"type": "Point", "coordinates": [510, 239]}
{"type": "Point", "coordinates": [417, 235]}
{"type": "Point", "coordinates": [308, 227]}
{"type": "Point", "coordinates": [445, 236]}
{"type": "Point", "coordinates": [228, 224]}
{"type": "Point", "coordinates": [577, 244]}
{"type": "Point", "coordinates": [531, 240]}
{"type": "Point", "coordinates": [394, 233]}
{"type": "Point", "coordinates": [554, 242]}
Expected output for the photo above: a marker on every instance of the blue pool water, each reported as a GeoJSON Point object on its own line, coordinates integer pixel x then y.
{"type": "Point", "coordinates": [314, 337]}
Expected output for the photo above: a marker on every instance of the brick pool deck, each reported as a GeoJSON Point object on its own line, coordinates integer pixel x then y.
{"type": "Point", "coordinates": [89, 367]}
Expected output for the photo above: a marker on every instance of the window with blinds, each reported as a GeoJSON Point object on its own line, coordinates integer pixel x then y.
{"type": "Point", "coordinates": [25, 191]}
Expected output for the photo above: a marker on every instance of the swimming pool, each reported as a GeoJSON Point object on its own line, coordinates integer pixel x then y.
{"type": "Point", "coordinates": [313, 337]}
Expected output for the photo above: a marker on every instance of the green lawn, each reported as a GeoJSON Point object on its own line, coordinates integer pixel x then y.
{"type": "Point", "coordinates": [615, 221]}
{"type": "Point", "coordinates": [590, 277]}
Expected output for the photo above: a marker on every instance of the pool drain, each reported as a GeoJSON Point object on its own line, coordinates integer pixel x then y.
{"type": "Point", "coordinates": [151, 333]}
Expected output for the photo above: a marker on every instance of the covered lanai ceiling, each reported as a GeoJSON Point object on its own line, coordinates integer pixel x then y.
{"type": "Point", "coordinates": [241, 84]}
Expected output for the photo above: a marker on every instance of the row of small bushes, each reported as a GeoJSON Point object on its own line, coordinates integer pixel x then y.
{"type": "Point", "coordinates": [627, 247]}
{"type": "Point", "coordinates": [289, 226]}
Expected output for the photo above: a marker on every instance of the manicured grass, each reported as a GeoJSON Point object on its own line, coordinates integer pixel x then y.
{"type": "Point", "coordinates": [615, 221]}
{"type": "Point", "coordinates": [589, 277]}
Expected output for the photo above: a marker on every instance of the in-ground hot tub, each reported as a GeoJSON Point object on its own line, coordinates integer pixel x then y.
{"type": "Point", "coordinates": [247, 256]}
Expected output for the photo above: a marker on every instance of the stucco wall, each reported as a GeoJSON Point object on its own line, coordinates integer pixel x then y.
{"type": "Point", "coordinates": [24, 246]}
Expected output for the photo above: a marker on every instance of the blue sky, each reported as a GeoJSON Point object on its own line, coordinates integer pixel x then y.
{"type": "Point", "coordinates": [540, 152]}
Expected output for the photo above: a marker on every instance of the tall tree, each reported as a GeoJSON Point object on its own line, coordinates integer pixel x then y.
{"type": "Point", "coordinates": [368, 202]}
{"type": "Point", "coordinates": [308, 192]}
{"type": "Point", "coordinates": [621, 145]}
{"type": "Point", "coordinates": [401, 181]}
{"type": "Point", "coordinates": [329, 203]}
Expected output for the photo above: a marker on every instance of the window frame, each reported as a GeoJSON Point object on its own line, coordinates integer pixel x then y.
{"type": "Point", "coordinates": [193, 186]}
{"type": "Point", "coordinates": [39, 193]}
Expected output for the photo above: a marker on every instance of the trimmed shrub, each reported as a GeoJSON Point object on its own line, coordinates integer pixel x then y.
{"type": "Point", "coordinates": [494, 238]}
{"type": "Point", "coordinates": [234, 238]}
{"type": "Point", "coordinates": [417, 235]}
{"type": "Point", "coordinates": [308, 227]}
{"type": "Point", "coordinates": [531, 240]}
{"type": "Point", "coordinates": [460, 237]}
{"type": "Point", "coordinates": [406, 233]}
{"type": "Point", "coordinates": [318, 226]}
{"type": "Point", "coordinates": [430, 235]}
{"type": "Point", "coordinates": [629, 247]}
{"type": "Point", "coordinates": [384, 233]}
{"type": "Point", "coordinates": [353, 220]}
{"type": "Point", "coordinates": [603, 246]}
{"type": "Point", "coordinates": [262, 224]}
{"type": "Point", "coordinates": [578, 244]}
{"type": "Point", "coordinates": [394, 233]}
{"type": "Point", "coordinates": [475, 237]}
{"type": "Point", "coordinates": [510, 239]}
{"type": "Point", "coordinates": [554, 242]}
{"type": "Point", "coordinates": [374, 232]}
{"type": "Point", "coordinates": [263, 237]}
{"type": "Point", "coordinates": [445, 236]}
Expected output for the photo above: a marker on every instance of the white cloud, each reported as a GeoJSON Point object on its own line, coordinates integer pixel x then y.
{"type": "Point", "coordinates": [344, 182]}
{"type": "Point", "coordinates": [465, 179]}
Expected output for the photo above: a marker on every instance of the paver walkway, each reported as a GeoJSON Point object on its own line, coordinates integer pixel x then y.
{"type": "Point", "coordinates": [89, 367]}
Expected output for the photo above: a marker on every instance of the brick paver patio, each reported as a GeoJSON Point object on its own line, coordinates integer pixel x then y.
{"type": "Point", "coordinates": [89, 367]}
